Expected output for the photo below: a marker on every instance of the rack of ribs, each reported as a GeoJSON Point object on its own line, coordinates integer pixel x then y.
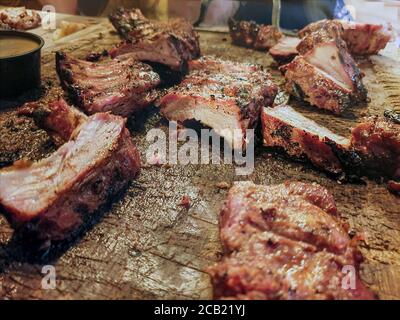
{"type": "Point", "coordinates": [285, 242]}
{"type": "Point", "coordinates": [223, 95]}
{"type": "Point", "coordinates": [171, 43]}
{"type": "Point", "coordinates": [122, 86]}
{"type": "Point", "coordinates": [49, 200]}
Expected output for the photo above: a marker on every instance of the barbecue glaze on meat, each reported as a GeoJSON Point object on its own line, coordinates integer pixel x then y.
{"type": "Point", "coordinates": [122, 86]}
{"type": "Point", "coordinates": [325, 74]}
{"type": "Point", "coordinates": [251, 35]}
{"type": "Point", "coordinates": [171, 43]}
{"type": "Point", "coordinates": [19, 19]}
{"type": "Point", "coordinates": [361, 38]}
{"type": "Point", "coordinates": [223, 95]}
{"type": "Point", "coordinates": [302, 138]}
{"type": "Point", "coordinates": [285, 50]}
{"type": "Point", "coordinates": [282, 243]}
{"type": "Point", "coordinates": [50, 199]}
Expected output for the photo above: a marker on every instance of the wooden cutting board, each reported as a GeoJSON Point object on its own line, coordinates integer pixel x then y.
{"type": "Point", "coordinates": [147, 246]}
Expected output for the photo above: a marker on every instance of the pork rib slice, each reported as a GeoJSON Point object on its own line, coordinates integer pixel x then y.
{"type": "Point", "coordinates": [223, 95]}
{"type": "Point", "coordinates": [251, 35]}
{"type": "Point", "coordinates": [285, 50]}
{"type": "Point", "coordinates": [377, 141]}
{"type": "Point", "coordinates": [301, 138]}
{"type": "Point", "coordinates": [280, 209]}
{"type": "Point", "coordinates": [328, 52]}
{"type": "Point", "coordinates": [50, 199]}
{"type": "Point", "coordinates": [19, 19]}
{"type": "Point", "coordinates": [58, 118]}
{"type": "Point", "coordinates": [271, 267]}
{"type": "Point", "coordinates": [170, 43]}
{"type": "Point", "coordinates": [283, 244]}
{"type": "Point", "coordinates": [307, 82]}
{"type": "Point", "coordinates": [122, 86]}
{"type": "Point", "coordinates": [361, 38]}
{"type": "Point", "coordinates": [325, 74]}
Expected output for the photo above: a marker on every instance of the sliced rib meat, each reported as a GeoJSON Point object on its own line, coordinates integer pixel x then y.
{"type": "Point", "coordinates": [301, 137]}
{"type": "Point", "coordinates": [325, 75]}
{"type": "Point", "coordinates": [361, 38]}
{"type": "Point", "coordinates": [307, 82]}
{"type": "Point", "coordinates": [171, 43]}
{"type": "Point", "coordinates": [122, 86]}
{"type": "Point", "coordinates": [223, 95]}
{"type": "Point", "coordinates": [251, 35]}
{"type": "Point", "coordinates": [328, 52]}
{"type": "Point", "coordinates": [282, 244]}
{"type": "Point", "coordinates": [50, 199]}
{"type": "Point", "coordinates": [285, 50]}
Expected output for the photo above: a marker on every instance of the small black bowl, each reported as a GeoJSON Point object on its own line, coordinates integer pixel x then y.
{"type": "Point", "coordinates": [20, 73]}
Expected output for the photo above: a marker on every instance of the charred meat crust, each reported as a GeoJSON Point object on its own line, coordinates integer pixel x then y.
{"type": "Point", "coordinates": [122, 86]}
{"type": "Point", "coordinates": [251, 35]}
{"type": "Point", "coordinates": [284, 242]}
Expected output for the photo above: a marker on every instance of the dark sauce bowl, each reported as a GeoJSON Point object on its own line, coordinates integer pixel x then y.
{"type": "Point", "coordinates": [22, 72]}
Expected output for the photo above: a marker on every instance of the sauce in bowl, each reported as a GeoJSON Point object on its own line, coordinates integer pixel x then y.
{"type": "Point", "coordinates": [11, 46]}
{"type": "Point", "coordinates": [20, 60]}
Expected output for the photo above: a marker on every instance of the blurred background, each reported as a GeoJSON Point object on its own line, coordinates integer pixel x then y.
{"type": "Point", "coordinates": [294, 13]}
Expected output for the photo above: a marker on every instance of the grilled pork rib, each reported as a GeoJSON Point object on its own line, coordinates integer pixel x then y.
{"type": "Point", "coordinates": [301, 138]}
{"type": "Point", "coordinates": [122, 86]}
{"type": "Point", "coordinates": [223, 95]}
{"type": "Point", "coordinates": [373, 149]}
{"type": "Point", "coordinates": [306, 82]}
{"type": "Point", "coordinates": [325, 74]}
{"type": "Point", "coordinates": [170, 43]}
{"type": "Point", "coordinates": [377, 142]}
{"type": "Point", "coordinates": [58, 118]}
{"type": "Point", "coordinates": [285, 50]}
{"type": "Point", "coordinates": [361, 38]}
{"type": "Point", "coordinates": [283, 244]}
{"type": "Point", "coordinates": [251, 35]}
{"type": "Point", "coordinates": [50, 199]}
{"type": "Point", "coordinates": [19, 19]}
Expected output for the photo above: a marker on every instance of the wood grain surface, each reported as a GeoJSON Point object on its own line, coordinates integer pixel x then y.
{"type": "Point", "coordinates": [147, 246]}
